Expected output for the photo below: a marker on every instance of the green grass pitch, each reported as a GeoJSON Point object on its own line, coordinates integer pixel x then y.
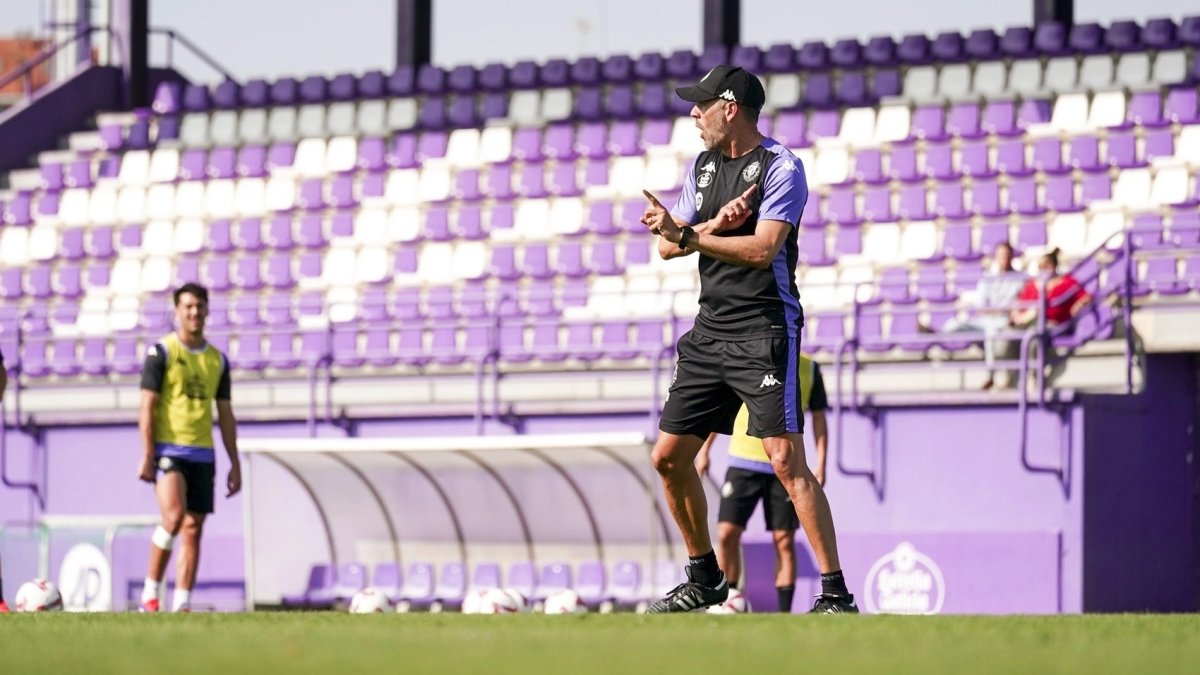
{"type": "Point", "coordinates": [222, 644]}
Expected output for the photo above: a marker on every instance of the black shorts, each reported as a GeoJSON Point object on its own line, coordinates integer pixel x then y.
{"type": "Point", "coordinates": [198, 477]}
{"type": "Point", "coordinates": [742, 491]}
{"type": "Point", "coordinates": [714, 377]}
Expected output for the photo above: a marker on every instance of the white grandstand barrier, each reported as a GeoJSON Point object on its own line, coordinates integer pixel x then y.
{"type": "Point", "coordinates": [189, 200]}
{"type": "Point", "coordinates": [1070, 113]}
{"type": "Point", "coordinates": [102, 208]}
{"type": "Point", "coordinates": [402, 187]}
{"type": "Point", "coordinates": [160, 201]}
{"type": "Point", "coordinates": [1133, 70]}
{"type": "Point", "coordinates": [1024, 77]}
{"type": "Point", "coordinates": [251, 197]}
{"type": "Point", "coordinates": [341, 155]}
{"type": "Point", "coordinates": [372, 118]}
{"type": "Point", "coordinates": [157, 274]}
{"type": "Point", "coordinates": [157, 238]}
{"type": "Point", "coordinates": [163, 167]}
{"type": "Point", "coordinates": [858, 126]}
{"type": "Point", "coordinates": [954, 82]}
{"type": "Point", "coordinates": [220, 199]}
{"type": "Point", "coordinates": [281, 193]}
{"type": "Point", "coordinates": [193, 130]}
{"type": "Point", "coordinates": [920, 83]}
{"type": "Point", "coordinates": [495, 144]}
{"type": "Point", "coordinates": [566, 216]}
{"type": "Point", "coordinates": [252, 126]}
{"type": "Point", "coordinates": [435, 181]}
{"type": "Point", "coordinates": [43, 242]}
{"type": "Point", "coordinates": [25, 179]}
{"type": "Point", "coordinates": [85, 141]}
{"type": "Point", "coordinates": [991, 79]}
{"type": "Point", "coordinates": [1170, 67]}
{"type": "Point", "coordinates": [310, 157]}
{"type": "Point", "coordinates": [340, 118]}
{"type": "Point", "coordinates": [136, 165]}
{"type": "Point", "coordinates": [372, 265]}
{"type": "Point", "coordinates": [223, 127]}
{"type": "Point", "coordinates": [73, 206]}
{"type": "Point", "coordinates": [556, 104]}
{"type": "Point", "coordinates": [435, 262]}
{"type": "Point", "coordinates": [1132, 188]}
{"type": "Point", "coordinates": [530, 221]}
{"type": "Point", "coordinates": [310, 121]}
{"type": "Point", "coordinates": [524, 107]}
{"type": "Point", "coordinates": [403, 224]}
{"type": "Point", "coordinates": [402, 114]}
{"type": "Point", "coordinates": [1108, 109]}
{"type": "Point", "coordinates": [1187, 147]}
{"type": "Point", "coordinates": [189, 236]}
{"type": "Point", "coordinates": [470, 260]}
{"type": "Point", "coordinates": [1096, 71]}
{"type": "Point", "coordinates": [462, 148]}
{"type": "Point", "coordinates": [371, 228]}
{"type": "Point", "coordinates": [281, 124]}
{"type": "Point", "coordinates": [893, 123]}
{"type": "Point", "coordinates": [1171, 185]}
{"type": "Point", "coordinates": [1061, 74]}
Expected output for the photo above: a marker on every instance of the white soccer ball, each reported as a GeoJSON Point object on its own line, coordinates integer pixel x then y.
{"type": "Point", "coordinates": [517, 598]}
{"type": "Point", "coordinates": [472, 601]}
{"type": "Point", "coordinates": [497, 601]}
{"type": "Point", "coordinates": [564, 602]}
{"type": "Point", "coordinates": [736, 603]}
{"type": "Point", "coordinates": [369, 601]}
{"type": "Point", "coordinates": [39, 595]}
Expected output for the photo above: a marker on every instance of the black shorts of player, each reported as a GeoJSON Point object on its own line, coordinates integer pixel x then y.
{"type": "Point", "coordinates": [198, 477]}
{"type": "Point", "coordinates": [714, 377]}
{"type": "Point", "coordinates": [744, 489]}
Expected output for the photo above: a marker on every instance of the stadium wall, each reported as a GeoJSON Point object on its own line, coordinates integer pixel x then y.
{"type": "Point", "coordinates": [953, 522]}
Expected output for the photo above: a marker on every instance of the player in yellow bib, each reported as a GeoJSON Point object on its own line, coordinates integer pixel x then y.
{"type": "Point", "coordinates": [182, 377]}
{"type": "Point", "coordinates": [750, 479]}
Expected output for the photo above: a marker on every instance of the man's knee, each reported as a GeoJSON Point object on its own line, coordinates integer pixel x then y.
{"type": "Point", "coordinates": [172, 521]}
{"type": "Point", "coordinates": [675, 455]}
{"type": "Point", "coordinates": [192, 527]}
{"type": "Point", "coordinates": [729, 535]}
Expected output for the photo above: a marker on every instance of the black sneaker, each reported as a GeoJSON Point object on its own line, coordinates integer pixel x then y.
{"type": "Point", "coordinates": [690, 596]}
{"type": "Point", "coordinates": [827, 603]}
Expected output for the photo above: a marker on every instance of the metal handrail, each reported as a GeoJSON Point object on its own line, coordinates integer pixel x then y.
{"type": "Point", "coordinates": [46, 53]}
{"type": "Point", "coordinates": [174, 35]}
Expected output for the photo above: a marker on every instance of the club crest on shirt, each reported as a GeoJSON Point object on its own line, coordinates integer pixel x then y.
{"type": "Point", "coordinates": [750, 173]}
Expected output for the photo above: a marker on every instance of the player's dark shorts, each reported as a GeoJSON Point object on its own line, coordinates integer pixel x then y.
{"type": "Point", "coordinates": [744, 489]}
{"type": "Point", "coordinates": [714, 377]}
{"type": "Point", "coordinates": [198, 477]}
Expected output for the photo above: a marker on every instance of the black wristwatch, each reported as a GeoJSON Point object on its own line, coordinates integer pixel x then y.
{"type": "Point", "coordinates": [685, 235]}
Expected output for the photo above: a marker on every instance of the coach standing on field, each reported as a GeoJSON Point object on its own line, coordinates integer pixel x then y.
{"type": "Point", "coordinates": [741, 202]}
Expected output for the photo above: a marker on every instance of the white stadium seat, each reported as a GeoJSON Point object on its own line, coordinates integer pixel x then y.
{"type": "Point", "coordinates": [341, 154]}
{"type": "Point", "coordinates": [495, 144]}
{"type": "Point", "coordinates": [102, 208]}
{"type": "Point", "coordinates": [954, 82]}
{"type": "Point", "coordinates": [435, 181]}
{"type": "Point", "coordinates": [310, 157]}
{"type": "Point", "coordinates": [566, 215]}
{"type": "Point", "coordinates": [991, 79]}
{"type": "Point", "coordinates": [220, 199]}
{"type": "Point", "coordinates": [462, 148]}
{"type": "Point", "coordinates": [920, 83]}
{"type": "Point", "coordinates": [556, 104]}
{"type": "Point", "coordinates": [281, 193]}
{"type": "Point", "coordinates": [893, 123]}
{"type": "Point", "coordinates": [1170, 67]}
{"type": "Point", "coordinates": [402, 114]}
{"type": "Point", "coordinates": [783, 91]}
{"type": "Point", "coordinates": [164, 166]}
{"type": "Point", "coordinates": [1133, 70]}
{"type": "Point", "coordinates": [223, 127]}
{"type": "Point", "coordinates": [403, 224]}
{"type": "Point", "coordinates": [1108, 109]}
{"type": "Point", "coordinates": [189, 201]}
{"type": "Point", "coordinates": [402, 187]}
{"type": "Point", "coordinates": [281, 124]}
{"type": "Point", "coordinates": [43, 242]}
{"type": "Point", "coordinates": [524, 107]}
{"type": "Point", "coordinates": [193, 130]}
{"type": "Point", "coordinates": [135, 166]}
{"type": "Point", "coordinates": [310, 121]}
{"type": "Point", "coordinates": [1061, 75]}
{"type": "Point", "coordinates": [131, 204]}
{"type": "Point", "coordinates": [158, 238]}
{"type": "Point", "coordinates": [252, 125]}
{"type": "Point", "coordinates": [372, 118]}
{"type": "Point", "coordinates": [251, 197]}
{"type": "Point", "coordinates": [1096, 72]}
{"type": "Point", "coordinates": [73, 206]}
{"type": "Point", "coordinates": [1024, 77]}
{"type": "Point", "coordinates": [339, 120]}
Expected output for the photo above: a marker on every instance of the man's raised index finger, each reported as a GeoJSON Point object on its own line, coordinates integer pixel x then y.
{"type": "Point", "coordinates": [750, 190]}
{"type": "Point", "coordinates": [652, 198]}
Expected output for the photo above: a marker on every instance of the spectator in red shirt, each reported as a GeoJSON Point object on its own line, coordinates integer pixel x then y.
{"type": "Point", "coordinates": [1064, 295]}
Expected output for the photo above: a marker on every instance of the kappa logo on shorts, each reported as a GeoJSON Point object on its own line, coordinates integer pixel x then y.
{"type": "Point", "coordinates": [768, 381]}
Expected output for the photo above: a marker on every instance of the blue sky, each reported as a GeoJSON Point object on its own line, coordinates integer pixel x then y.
{"type": "Point", "coordinates": [254, 38]}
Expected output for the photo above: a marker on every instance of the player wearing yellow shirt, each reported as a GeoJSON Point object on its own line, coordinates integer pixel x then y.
{"type": "Point", "coordinates": [750, 479]}
{"type": "Point", "coordinates": [182, 377]}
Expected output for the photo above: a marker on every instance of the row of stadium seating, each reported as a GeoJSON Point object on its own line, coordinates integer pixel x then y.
{"type": "Point", "coordinates": [417, 586]}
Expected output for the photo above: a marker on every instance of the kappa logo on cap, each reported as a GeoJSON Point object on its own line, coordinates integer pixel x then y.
{"type": "Point", "coordinates": [728, 96]}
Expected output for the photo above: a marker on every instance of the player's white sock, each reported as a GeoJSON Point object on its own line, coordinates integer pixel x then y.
{"type": "Point", "coordinates": [150, 591]}
{"type": "Point", "coordinates": [183, 599]}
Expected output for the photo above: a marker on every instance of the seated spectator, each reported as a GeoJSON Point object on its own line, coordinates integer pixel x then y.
{"type": "Point", "coordinates": [1064, 295]}
{"type": "Point", "coordinates": [994, 298]}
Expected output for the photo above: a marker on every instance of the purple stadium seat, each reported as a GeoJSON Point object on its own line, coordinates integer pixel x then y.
{"type": "Point", "coordinates": [914, 49]}
{"type": "Point", "coordinates": [461, 79]}
{"type": "Point", "coordinates": [1182, 105]}
{"type": "Point", "coordinates": [649, 67]}
{"type": "Point", "coordinates": [585, 71]}
{"type": "Point", "coordinates": [1050, 38]}
{"type": "Point", "coordinates": [1030, 234]}
{"type": "Point", "coordinates": [939, 161]}
{"type": "Point", "coordinates": [653, 100]}
{"type": "Point", "coordinates": [555, 73]}
{"type": "Point", "coordinates": [1160, 34]}
{"type": "Point", "coordinates": [902, 163]}
{"type": "Point", "coordinates": [928, 122]}
{"type": "Point", "coordinates": [432, 113]}
{"type": "Point", "coordinates": [814, 56]}
{"type": "Point", "coordinates": [592, 140]}
{"type": "Point", "coordinates": [818, 91]}
{"type": "Point", "coordinates": [623, 139]}
{"type": "Point", "coordinates": [252, 161]}
{"type": "Point", "coordinates": [913, 203]}
{"type": "Point", "coordinates": [168, 97]}
{"type": "Point", "coordinates": [1189, 31]}
{"type": "Point", "coordinates": [956, 241]}
{"type": "Point", "coordinates": [350, 578]}
{"type": "Point", "coordinates": [462, 113]}
{"type": "Point", "coordinates": [847, 241]}
{"type": "Point", "coordinates": [281, 155]}
{"type": "Point", "coordinates": [1059, 194]}
{"type": "Point", "coordinates": [387, 579]}
{"type": "Point", "coordinates": [523, 75]}
{"type": "Point", "coordinates": [485, 576]}
{"type": "Point", "coordinates": [317, 591]}
{"type": "Point", "coordinates": [222, 163]}
{"type": "Point", "coordinates": [1161, 276]}
{"type": "Point", "coordinates": [748, 57]}
{"type": "Point", "coordinates": [1122, 36]}
{"type": "Point", "coordinates": [432, 145]}
{"type": "Point", "coordinates": [950, 47]}
{"type": "Point", "coordinates": [555, 577]}
{"type": "Point", "coordinates": [1086, 38]}
{"type": "Point", "coordinates": [1047, 156]}
{"type": "Point", "coordinates": [492, 77]}
{"type": "Point", "coordinates": [1084, 153]}
{"type": "Point", "coordinates": [313, 89]}
{"type": "Point", "coordinates": [619, 103]}
{"type": "Point", "coordinates": [779, 58]}
{"type": "Point", "coordinates": [852, 88]}
{"type": "Point", "coordinates": [193, 164]}
{"type": "Point", "coordinates": [451, 584]}
{"type": "Point", "coordinates": [591, 583]}
{"type": "Point", "coordinates": [343, 88]}
{"type": "Point", "coordinates": [284, 91]}
{"type": "Point", "coordinates": [430, 79]}
{"type": "Point", "coordinates": [499, 182]}
{"type": "Point", "coordinates": [1022, 196]}
{"type": "Point", "coordinates": [1010, 158]}
{"type": "Point", "coordinates": [254, 94]}
{"type": "Point", "coordinates": [790, 129]}
{"type": "Point", "coordinates": [877, 205]}
{"type": "Point", "coordinates": [1157, 143]}
{"type": "Point", "coordinates": [846, 53]}
{"type": "Point", "coordinates": [1121, 150]}
{"type": "Point", "coordinates": [418, 585]}
{"type": "Point", "coordinates": [625, 588]}
{"type": "Point", "coordinates": [494, 106]}
{"type": "Point", "coordinates": [196, 98]}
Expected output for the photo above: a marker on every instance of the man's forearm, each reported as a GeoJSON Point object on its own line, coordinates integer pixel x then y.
{"type": "Point", "coordinates": [229, 437]}
{"type": "Point", "coordinates": [146, 428]}
{"type": "Point", "coordinates": [747, 251]}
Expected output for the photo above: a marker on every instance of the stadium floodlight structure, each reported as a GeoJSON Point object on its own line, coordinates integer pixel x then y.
{"type": "Point", "coordinates": [540, 499]}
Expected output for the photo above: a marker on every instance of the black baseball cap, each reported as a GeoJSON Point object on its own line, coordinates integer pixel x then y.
{"type": "Point", "coordinates": [732, 83]}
